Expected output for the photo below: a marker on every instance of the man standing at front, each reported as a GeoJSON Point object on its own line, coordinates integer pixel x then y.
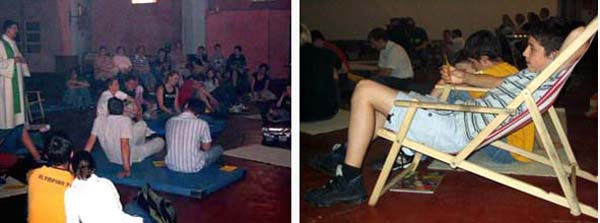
{"type": "Point", "coordinates": [12, 68]}
{"type": "Point", "coordinates": [395, 69]}
{"type": "Point", "coordinates": [12, 108]}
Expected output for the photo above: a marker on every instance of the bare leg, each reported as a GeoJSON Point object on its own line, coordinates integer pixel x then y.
{"type": "Point", "coordinates": [371, 102]}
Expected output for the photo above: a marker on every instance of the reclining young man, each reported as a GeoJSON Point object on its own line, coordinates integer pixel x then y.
{"type": "Point", "coordinates": [445, 130]}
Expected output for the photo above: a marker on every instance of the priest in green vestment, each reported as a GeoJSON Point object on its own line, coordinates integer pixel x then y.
{"type": "Point", "coordinates": [12, 106]}
{"type": "Point", "coordinates": [12, 69]}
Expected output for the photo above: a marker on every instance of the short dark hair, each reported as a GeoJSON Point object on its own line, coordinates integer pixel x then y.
{"type": "Point", "coordinates": [377, 34]}
{"type": "Point", "coordinates": [483, 43]}
{"type": "Point", "coordinates": [109, 81]}
{"type": "Point", "coordinates": [456, 33]}
{"type": "Point", "coordinates": [316, 34]}
{"type": "Point", "coordinates": [550, 33]}
{"type": "Point", "coordinates": [115, 106]}
{"type": "Point", "coordinates": [266, 66]}
{"type": "Point", "coordinates": [83, 164]}
{"type": "Point", "coordinates": [58, 147]}
{"type": "Point", "coordinates": [238, 47]}
{"type": "Point", "coordinates": [130, 78]}
{"type": "Point", "coordinates": [217, 45]}
{"type": "Point", "coordinates": [196, 106]}
{"type": "Point", "coordinates": [7, 24]}
{"type": "Point", "coordinates": [102, 47]}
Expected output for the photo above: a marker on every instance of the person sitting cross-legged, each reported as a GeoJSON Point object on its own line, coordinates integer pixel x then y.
{"type": "Point", "coordinates": [123, 141]}
{"type": "Point", "coordinates": [189, 147]}
{"type": "Point", "coordinates": [447, 131]}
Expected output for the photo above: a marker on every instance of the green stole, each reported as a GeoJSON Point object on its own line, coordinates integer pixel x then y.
{"type": "Point", "coordinates": [10, 54]}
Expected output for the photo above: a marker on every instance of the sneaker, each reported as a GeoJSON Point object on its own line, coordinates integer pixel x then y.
{"type": "Point", "coordinates": [337, 190]}
{"type": "Point", "coordinates": [327, 163]}
{"type": "Point", "coordinates": [402, 161]}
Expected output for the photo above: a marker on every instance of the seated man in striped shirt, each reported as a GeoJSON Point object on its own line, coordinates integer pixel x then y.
{"type": "Point", "coordinates": [189, 147]}
{"type": "Point", "coordinates": [447, 131]}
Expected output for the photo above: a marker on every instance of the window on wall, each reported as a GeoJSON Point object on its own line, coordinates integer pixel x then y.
{"type": "Point", "coordinates": [142, 1]}
{"type": "Point", "coordinates": [33, 41]}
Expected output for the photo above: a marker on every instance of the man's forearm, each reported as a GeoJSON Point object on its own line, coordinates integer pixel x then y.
{"type": "Point", "coordinates": [384, 72]}
{"type": "Point", "coordinates": [125, 156]}
{"type": "Point", "coordinates": [484, 81]}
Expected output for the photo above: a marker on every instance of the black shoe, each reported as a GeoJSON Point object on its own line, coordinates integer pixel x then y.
{"type": "Point", "coordinates": [327, 163]}
{"type": "Point", "coordinates": [402, 161]}
{"type": "Point", "coordinates": [337, 190]}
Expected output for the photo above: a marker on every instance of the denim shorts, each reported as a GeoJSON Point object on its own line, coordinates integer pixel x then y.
{"type": "Point", "coordinates": [440, 130]}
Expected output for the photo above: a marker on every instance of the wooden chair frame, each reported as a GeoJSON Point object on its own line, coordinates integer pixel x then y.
{"type": "Point", "coordinates": [562, 171]}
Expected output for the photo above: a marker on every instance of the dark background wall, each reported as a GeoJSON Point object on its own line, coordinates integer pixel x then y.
{"type": "Point", "coordinates": [118, 22]}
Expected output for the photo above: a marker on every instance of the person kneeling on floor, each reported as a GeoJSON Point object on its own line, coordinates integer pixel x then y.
{"type": "Point", "coordinates": [189, 147]}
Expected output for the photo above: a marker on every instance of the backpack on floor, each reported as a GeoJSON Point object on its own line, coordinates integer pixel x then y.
{"type": "Point", "coordinates": [160, 209]}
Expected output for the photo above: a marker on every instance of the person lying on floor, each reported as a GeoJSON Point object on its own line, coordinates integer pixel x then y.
{"type": "Point", "coordinates": [447, 131]}
{"type": "Point", "coordinates": [189, 144]}
{"type": "Point", "coordinates": [123, 141]}
{"type": "Point", "coordinates": [91, 198]}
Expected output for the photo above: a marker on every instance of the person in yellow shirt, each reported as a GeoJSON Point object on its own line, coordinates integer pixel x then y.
{"type": "Point", "coordinates": [47, 184]}
{"type": "Point", "coordinates": [484, 54]}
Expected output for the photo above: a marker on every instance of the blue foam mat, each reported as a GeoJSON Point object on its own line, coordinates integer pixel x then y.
{"type": "Point", "coordinates": [197, 185]}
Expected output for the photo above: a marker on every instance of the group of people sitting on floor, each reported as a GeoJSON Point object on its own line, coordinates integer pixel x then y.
{"type": "Point", "coordinates": [120, 128]}
{"type": "Point", "coordinates": [67, 190]}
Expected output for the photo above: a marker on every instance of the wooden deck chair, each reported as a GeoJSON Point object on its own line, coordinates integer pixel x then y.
{"type": "Point", "coordinates": [573, 48]}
